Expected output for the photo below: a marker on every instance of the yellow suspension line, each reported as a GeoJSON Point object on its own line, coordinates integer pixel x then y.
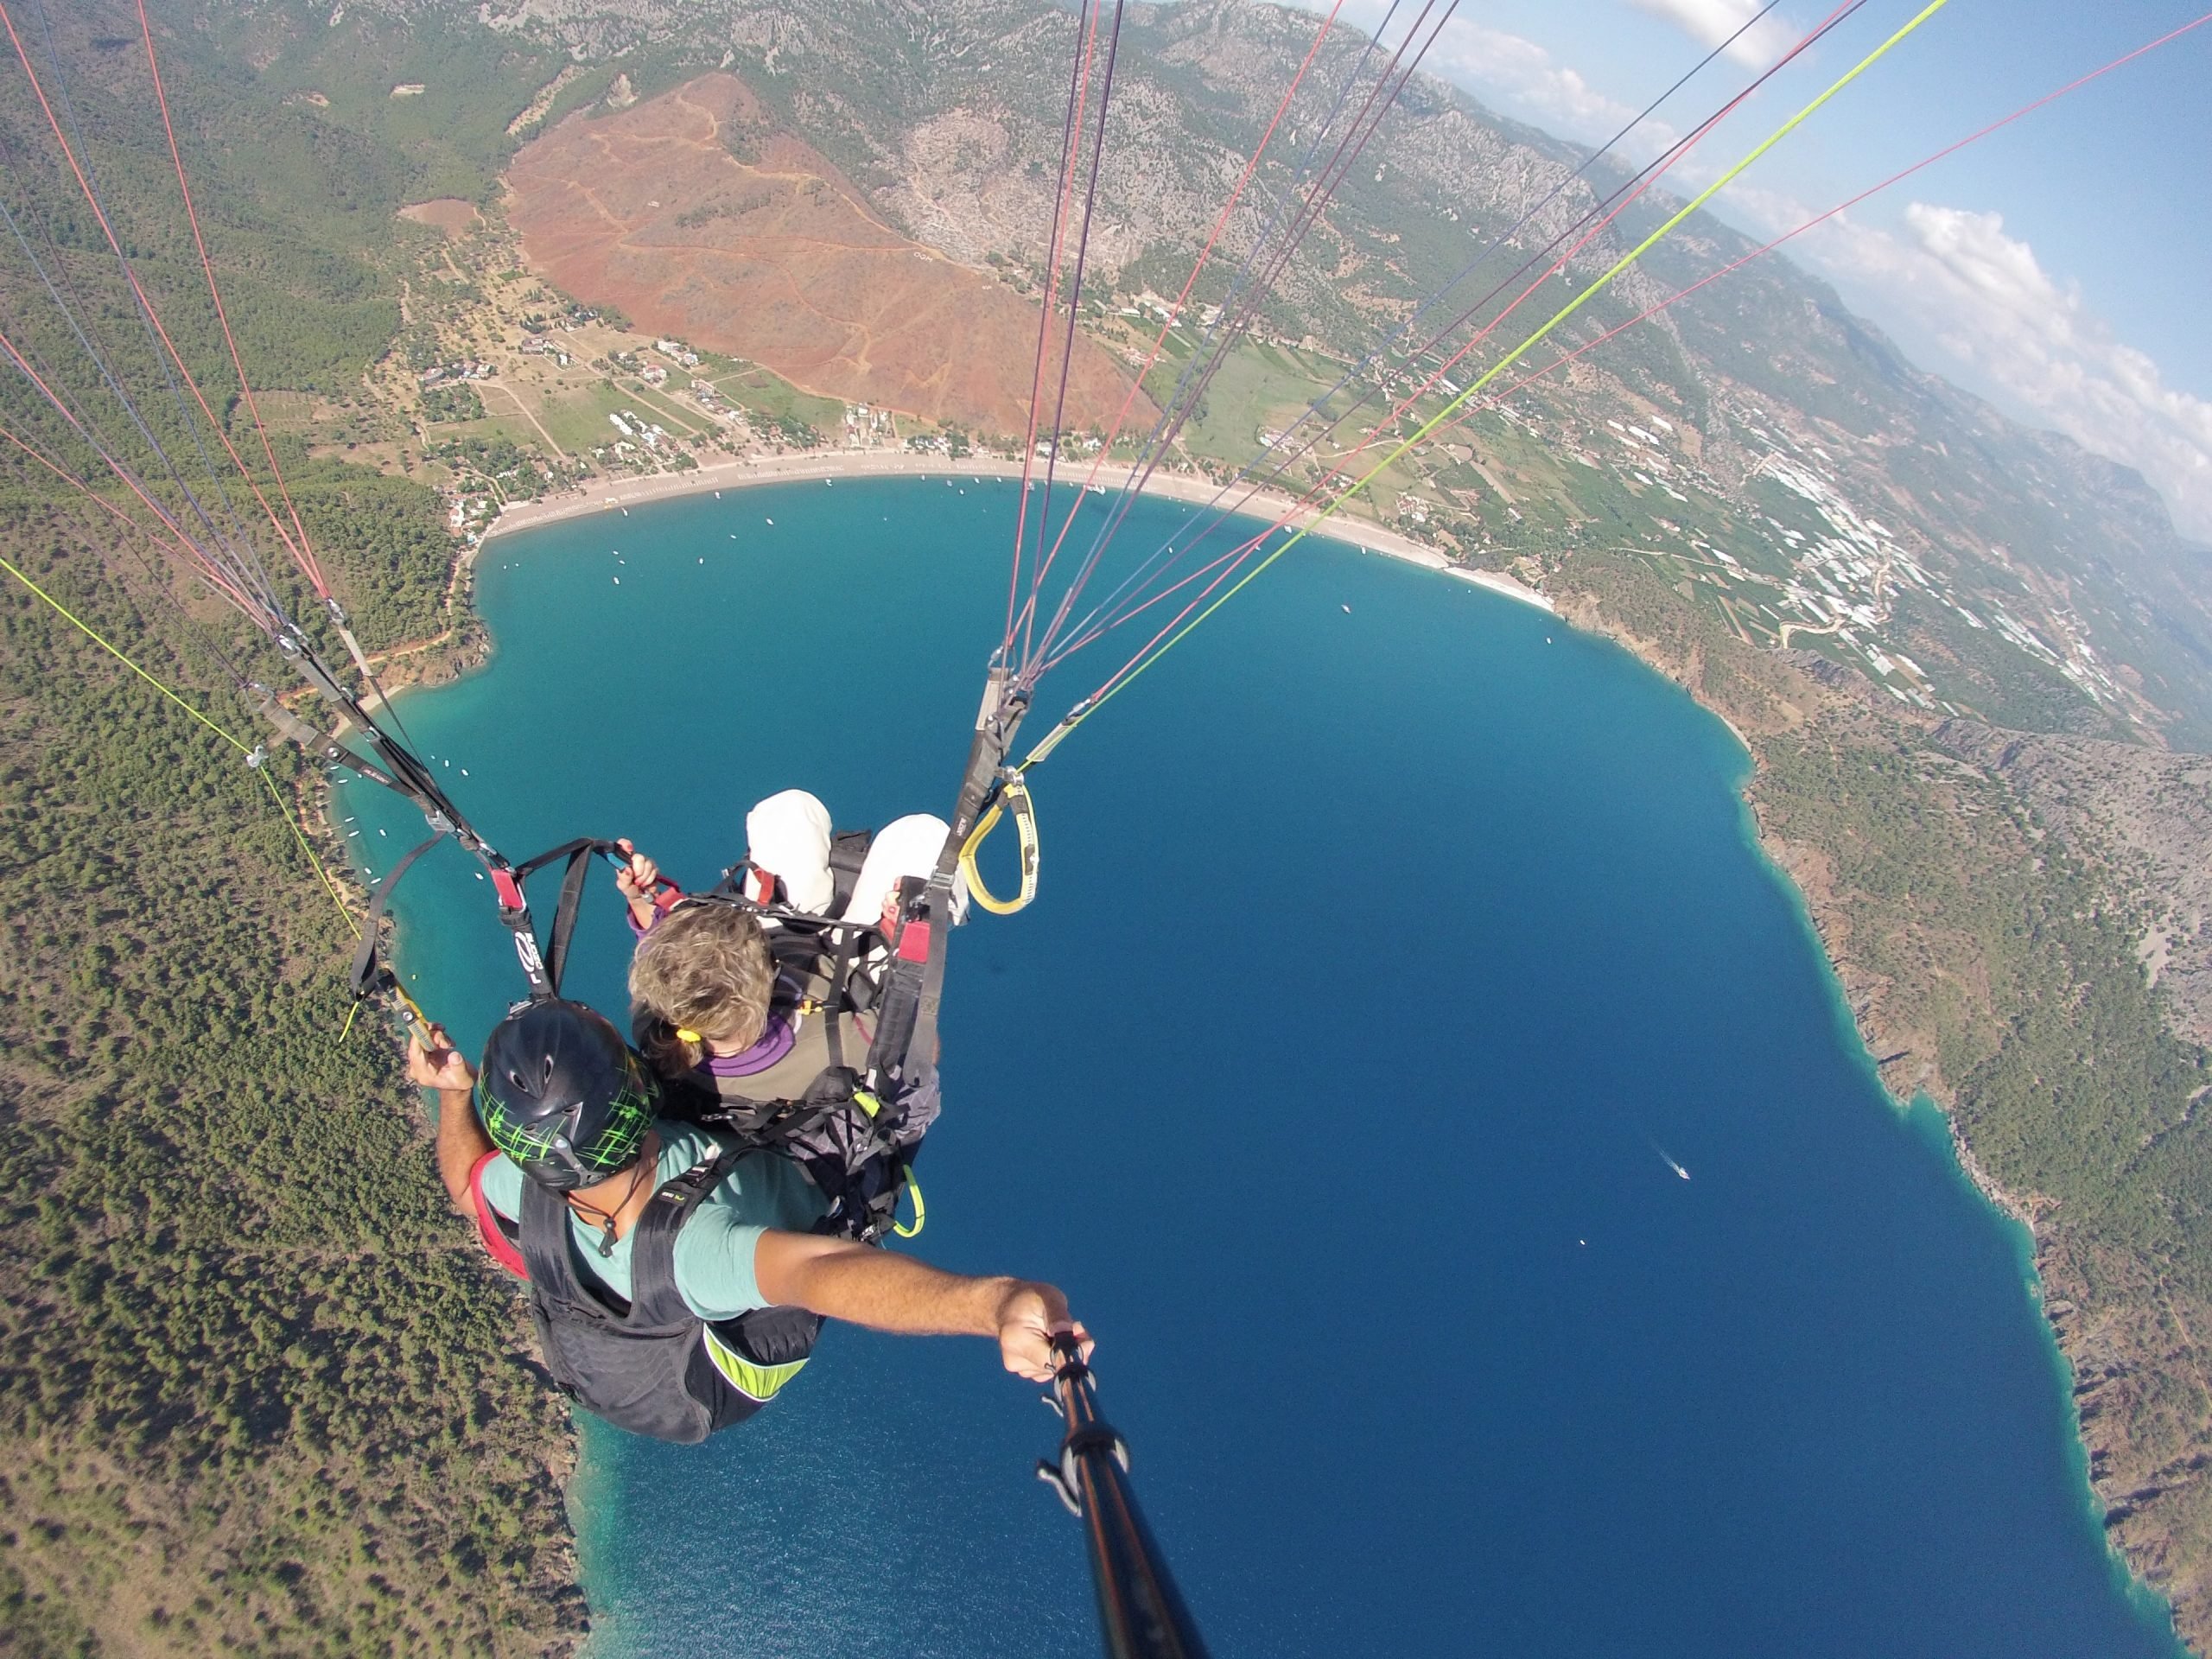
{"type": "Point", "coordinates": [85, 628]}
{"type": "Point", "coordinates": [1504, 363]}
{"type": "Point", "coordinates": [328, 886]}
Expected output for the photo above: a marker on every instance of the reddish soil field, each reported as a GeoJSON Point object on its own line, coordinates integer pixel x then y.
{"type": "Point", "coordinates": [452, 215]}
{"type": "Point", "coordinates": [694, 216]}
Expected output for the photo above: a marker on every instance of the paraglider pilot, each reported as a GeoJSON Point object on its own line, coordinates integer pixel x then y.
{"type": "Point", "coordinates": [674, 1281]}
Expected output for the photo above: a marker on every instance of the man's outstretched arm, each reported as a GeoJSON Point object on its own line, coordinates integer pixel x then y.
{"type": "Point", "coordinates": [841, 1279]}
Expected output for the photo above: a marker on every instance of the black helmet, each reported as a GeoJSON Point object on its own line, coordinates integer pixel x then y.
{"type": "Point", "coordinates": [562, 1094]}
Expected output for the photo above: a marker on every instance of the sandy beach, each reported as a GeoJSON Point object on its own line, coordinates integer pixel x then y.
{"type": "Point", "coordinates": [624, 493]}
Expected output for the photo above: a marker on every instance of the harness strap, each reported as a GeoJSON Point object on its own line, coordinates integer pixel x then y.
{"type": "Point", "coordinates": [406, 776]}
{"type": "Point", "coordinates": [544, 968]}
{"type": "Point", "coordinates": [409, 777]}
{"type": "Point", "coordinates": [848, 853]}
{"type": "Point", "coordinates": [770, 1123]}
{"type": "Point", "coordinates": [905, 1030]}
{"type": "Point", "coordinates": [682, 1194]}
{"type": "Point", "coordinates": [841, 971]}
{"type": "Point", "coordinates": [546, 1241]}
{"type": "Point", "coordinates": [365, 971]}
{"type": "Point", "coordinates": [908, 982]}
{"type": "Point", "coordinates": [564, 913]}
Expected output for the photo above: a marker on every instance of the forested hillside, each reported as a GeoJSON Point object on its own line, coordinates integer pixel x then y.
{"type": "Point", "coordinates": [258, 1390]}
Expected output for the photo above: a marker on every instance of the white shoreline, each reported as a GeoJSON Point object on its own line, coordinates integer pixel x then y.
{"type": "Point", "coordinates": [789, 469]}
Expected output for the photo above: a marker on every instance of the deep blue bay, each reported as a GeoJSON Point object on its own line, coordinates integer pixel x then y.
{"type": "Point", "coordinates": [1384, 961]}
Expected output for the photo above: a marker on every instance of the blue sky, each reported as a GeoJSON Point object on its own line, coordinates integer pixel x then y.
{"type": "Point", "coordinates": [2058, 267]}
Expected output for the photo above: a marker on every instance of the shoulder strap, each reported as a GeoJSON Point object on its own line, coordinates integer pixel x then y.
{"type": "Point", "coordinates": [545, 1242]}
{"type": "Point", "coordinates": [653, 1292]}
{"type": "Point", "coordinates": [848, 852]}
{"type": "Point", "coordinates": [840, 976]}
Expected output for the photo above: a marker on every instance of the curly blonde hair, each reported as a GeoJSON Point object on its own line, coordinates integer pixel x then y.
{"type": "Point", "coordinates": [703, 972]}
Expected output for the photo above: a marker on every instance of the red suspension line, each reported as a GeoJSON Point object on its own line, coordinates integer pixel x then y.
{"type": "Point", "coordinates": [1247, 306]}
{"type": "Point", "coordinates": [308, 562]}
{"type": "Point", "coordinates": [206, 565]}
{"type": "Point", "coordinates": [154, 316]}
{"type": "Point", "coordinates": [1070, 142]}
{"type": "Point", "coordinates": [1176, 310]}
{"type": "Point", "coordinates": [1335, 474]}
{"type": "Point", "coordinates": [99, 500]}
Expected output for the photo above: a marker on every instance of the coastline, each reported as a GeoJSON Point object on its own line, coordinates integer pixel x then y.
{"type": "Point", "coordinates": [748, 472]}
{"type": "Point", "coordinates": [2093, 1348]}
{"type": "Point", "coordinates": [690, 484]}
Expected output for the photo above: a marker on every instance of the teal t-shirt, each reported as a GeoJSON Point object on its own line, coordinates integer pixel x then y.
{"type": "Point", "coordinates": [713, 1253]}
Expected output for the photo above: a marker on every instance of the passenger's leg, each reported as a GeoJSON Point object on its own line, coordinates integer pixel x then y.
{"type": "Point", "coordinates": [908, 845]}
{"type": "Point", "coordinates": [788, 836]}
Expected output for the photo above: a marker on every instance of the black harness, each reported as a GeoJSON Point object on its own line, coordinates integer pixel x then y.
{"type": "Point", "coordinates": [855, 1123]}
{"type": "Point", "coordinates": [650, 1364]}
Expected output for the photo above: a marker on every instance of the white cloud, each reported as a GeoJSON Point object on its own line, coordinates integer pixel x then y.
{"type": "Point", "coordinates": [1987, 300]}
{"type": "Point", "coordinates": [1982, 294]}
{"type": "Point", "coordinates": [1711, 21]}
{"type": "Point", "coordinates": [1768, 212]}
{"type": "Point", "coordinates": [1517, 68]}
{"type": "Point", "coordinates": [1525, 77]}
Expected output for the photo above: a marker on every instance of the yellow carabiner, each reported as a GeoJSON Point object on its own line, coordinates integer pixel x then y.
{"type": "Point", "coordinates": [1013, 796]}
{"type": "Point", "coordinates": [921, 1210]}
{"type": "Point", "coordinates": [414, 1008]}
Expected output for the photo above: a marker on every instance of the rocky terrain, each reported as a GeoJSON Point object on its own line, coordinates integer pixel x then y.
{"type": "Point", "coordinates": [2141, 812]}
{"type": "Point", "coordinates": [1872, 512]}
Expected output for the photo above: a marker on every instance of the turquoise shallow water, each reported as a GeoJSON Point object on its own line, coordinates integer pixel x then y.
{"type": "Point", "coordinates": [1384, 961]}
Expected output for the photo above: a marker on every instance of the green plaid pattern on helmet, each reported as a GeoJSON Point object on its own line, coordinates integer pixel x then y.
{"type": "Point", "coordinates": [629, 1115]}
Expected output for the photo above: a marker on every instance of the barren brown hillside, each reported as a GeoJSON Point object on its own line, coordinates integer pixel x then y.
{"type": "Point", "coordinates": [776, 257]}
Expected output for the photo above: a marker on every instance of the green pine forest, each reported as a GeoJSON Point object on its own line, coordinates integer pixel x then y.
{"type": "Point", "coordinates": [259, 1390]}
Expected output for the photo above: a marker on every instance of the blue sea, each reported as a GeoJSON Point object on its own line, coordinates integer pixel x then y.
{"type": "Point", "coordinates": [1388, 962]}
